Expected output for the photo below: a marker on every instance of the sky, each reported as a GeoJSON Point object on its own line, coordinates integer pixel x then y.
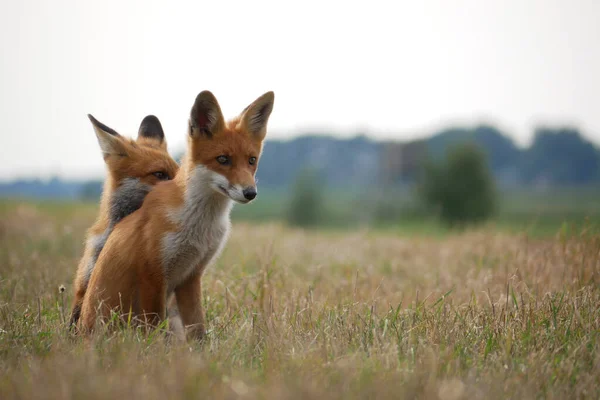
{"type": "Point", "coordinates": [393, 70]}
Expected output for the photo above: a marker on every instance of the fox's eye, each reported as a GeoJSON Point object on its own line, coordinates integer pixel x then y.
{"type": "Point", "coordinates": [163, 176]}
{"type": "Point", "coordinates": [223, 160]}
{"type": "Point", "coordinates": [252, 160]}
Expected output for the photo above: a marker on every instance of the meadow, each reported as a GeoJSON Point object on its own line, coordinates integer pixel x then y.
{"type": "Point", "coordinates": [324, 313]}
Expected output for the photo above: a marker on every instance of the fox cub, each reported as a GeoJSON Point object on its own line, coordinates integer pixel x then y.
{"type": "Point", "coordinates": [134, 167]}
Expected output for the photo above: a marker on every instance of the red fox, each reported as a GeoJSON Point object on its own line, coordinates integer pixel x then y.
{"type": "Point", "coordinates": [133, 168]}
{"type": "Point", "coordinates": [164, 247]}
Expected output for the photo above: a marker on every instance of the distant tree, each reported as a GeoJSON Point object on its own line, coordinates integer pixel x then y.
{"type": "Point", "coordinates": [341, 162]}
{"type": "Point", "coordinates": [560, 156]}
{"type": "Point", "coordinates": [501, 152]}
{"type": "Point", "coordinates": [306, 204]}
{"type": "Point", "coordinates": [460, 187]}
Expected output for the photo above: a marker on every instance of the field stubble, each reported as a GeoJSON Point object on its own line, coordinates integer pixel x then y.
{"type": "Point", "coordinates": [295, 314]}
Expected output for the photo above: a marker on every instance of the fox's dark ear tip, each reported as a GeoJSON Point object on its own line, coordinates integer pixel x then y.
{"type": "Point", "coordinates": [150, 120]}
{"type": "Point", "coordinates": [99, 125]}
{"type": "Point", "coordinates": [205, 96]}
{"type": "Point", "coordinates": [151, 128]}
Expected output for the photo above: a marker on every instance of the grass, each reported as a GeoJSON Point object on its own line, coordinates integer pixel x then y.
{"type": "Point", "coordinates": [338, 314]}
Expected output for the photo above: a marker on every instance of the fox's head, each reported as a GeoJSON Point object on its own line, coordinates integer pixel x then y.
{"type": "Point", "coordinates": [227, 153]}
{"type": "Point", "coordinates": [145, 158]}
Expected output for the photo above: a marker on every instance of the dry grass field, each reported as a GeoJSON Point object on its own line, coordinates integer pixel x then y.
{"type": "Point", "coordinates": [311, 315]}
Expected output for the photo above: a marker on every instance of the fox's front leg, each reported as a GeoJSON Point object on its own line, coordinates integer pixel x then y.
{"type": "Point", "coordinates": [175, 323]}
{"type": "Point", "coordinates": [81, 284]}
{"type": "Point", "coordinates": [77, 303]}
{"type": "Point", "coordinates": [189, 302]}
{"type": "Point", "coordinates": [153, 301]}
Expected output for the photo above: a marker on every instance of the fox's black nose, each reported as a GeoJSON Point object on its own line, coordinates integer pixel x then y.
{"type": "Point", "coordinates": [249, 193]}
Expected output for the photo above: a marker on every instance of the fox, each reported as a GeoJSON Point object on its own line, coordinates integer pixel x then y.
{"type": "Point", "coordinates": [134, 167]}
{"type": "Point", "coordinates": [163, 248]}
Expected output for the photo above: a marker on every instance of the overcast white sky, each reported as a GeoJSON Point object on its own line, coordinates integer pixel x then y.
{"type": "Point", "coordinates": [396, 69]}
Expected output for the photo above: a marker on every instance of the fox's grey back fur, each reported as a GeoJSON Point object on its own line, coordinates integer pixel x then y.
{"type": "Point", "coordinates": [125, 200]}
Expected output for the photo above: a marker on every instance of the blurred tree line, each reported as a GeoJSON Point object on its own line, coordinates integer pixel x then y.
{"type": "Point", "coordinates": [458, 189]}
{"type": "Point", "coordinates": [456, 174]}
{"type": "Point", "coordinates": [556, 156]}
{"type": "Point", "coordinates": [379, 170]}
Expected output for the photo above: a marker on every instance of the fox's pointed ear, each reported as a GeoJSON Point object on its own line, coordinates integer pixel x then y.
{"type": "Point", "coordinates": [151, 128]}
{"type": "Point", "coordinates": [109, 140]}
{"type": "Point", "coordinates": [206, 117]}
{"type": "Point", "coordinates": [255, 117]}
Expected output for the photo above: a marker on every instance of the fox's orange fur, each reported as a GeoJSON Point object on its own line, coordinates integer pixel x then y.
{"type": "Point", "coordinates": [165, 246]}
{"type": "Point", "coordinates": [144, 160]}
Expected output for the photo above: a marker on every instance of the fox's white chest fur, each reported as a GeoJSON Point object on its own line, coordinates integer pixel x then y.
{"type": "Point", "coordinates": [203, 228]}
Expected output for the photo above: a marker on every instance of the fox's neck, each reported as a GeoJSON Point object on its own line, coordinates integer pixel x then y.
{"type": "Point", "coordinates": [202, 205]}
{"type": "Point", "coordinates": [202, 223]}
